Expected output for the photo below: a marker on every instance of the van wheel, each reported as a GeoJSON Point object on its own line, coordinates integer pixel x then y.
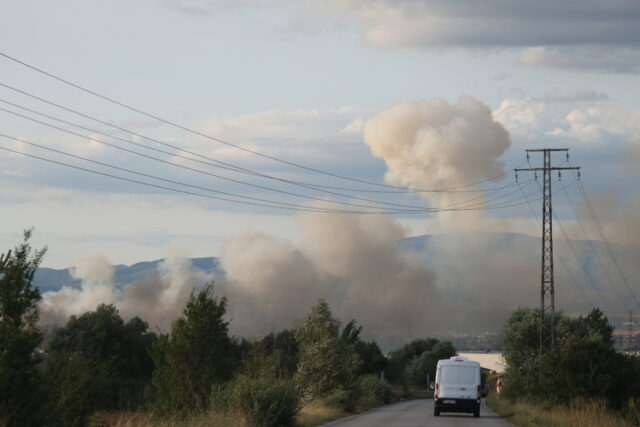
{"type": "Point", "coordinates": [476, 412]}
{"type": "Point", "coordinates": [436, 412]}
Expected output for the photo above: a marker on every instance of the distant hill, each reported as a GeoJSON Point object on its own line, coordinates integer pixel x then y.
{"type": "Point", "coordinates": [48, 279]}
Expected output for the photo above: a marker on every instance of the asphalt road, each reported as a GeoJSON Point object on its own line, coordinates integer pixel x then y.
{"type": "Point", "coordinates": [419, 412]}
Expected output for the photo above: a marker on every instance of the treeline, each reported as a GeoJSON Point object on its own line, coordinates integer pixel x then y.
{"type": "Point", "coordinates": [583, 365]}
{"type": "Point", "coordinates": [99, 362]}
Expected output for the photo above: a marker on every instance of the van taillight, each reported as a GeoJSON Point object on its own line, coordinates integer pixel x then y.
{"type": "Point", "coordinates": [479, 390]}
{"type": "Point", "coordinates": [435, 391]}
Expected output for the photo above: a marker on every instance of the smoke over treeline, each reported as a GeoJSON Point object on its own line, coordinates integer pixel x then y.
{"type": "Point", "coordinates": [462, 281]}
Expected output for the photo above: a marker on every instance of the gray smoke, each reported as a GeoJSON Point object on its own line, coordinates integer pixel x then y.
{"type": "Point", "coordinates": [158, 299]}
{"type": "Point", "coordinates": [351, 261]}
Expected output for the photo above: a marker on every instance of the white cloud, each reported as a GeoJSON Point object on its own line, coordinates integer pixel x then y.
{"type": "Point", "coordinates": [569, 115]}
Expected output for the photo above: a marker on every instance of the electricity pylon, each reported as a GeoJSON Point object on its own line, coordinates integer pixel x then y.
{"type": "Point", "coordinates": [547, 292]}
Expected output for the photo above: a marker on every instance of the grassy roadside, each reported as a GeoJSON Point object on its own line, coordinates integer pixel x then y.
{"type": "Point", "coordinates": [312, 414]}
{"type": "Point", "coordinates": [578, 414]}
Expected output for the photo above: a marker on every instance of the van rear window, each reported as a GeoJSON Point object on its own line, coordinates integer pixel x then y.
{"type": "Point", "coordinates": [458, 375]}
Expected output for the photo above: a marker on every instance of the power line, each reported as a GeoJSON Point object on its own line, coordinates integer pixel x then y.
{"type": "Point", "coordinates": [292, 206]}
{"type": "Point", "coordinates": [410, 207]}
{"type": "Point", "coordinates": [562, 262]}
{"type": "Point", "coordinates": [254, 202]}
{"type": "Point", "coordinates": [607, 246]}
{"type": "Point", "coordinates": [593, 249]}
{"type": "Point", "coordinates": [187, 167]}
{"type": "Point", "coordinates": [186, 129]}
{"type": "Point", "coordinates": [221, 164]}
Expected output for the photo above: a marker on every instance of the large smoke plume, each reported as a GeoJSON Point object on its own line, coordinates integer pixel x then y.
{"type": "Point", "coordinates": [434, 144]}
{"type": "Point", "coordinates": [456, 282]}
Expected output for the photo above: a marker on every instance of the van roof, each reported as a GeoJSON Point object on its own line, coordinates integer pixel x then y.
{"type": "Point", "coordinates": [455, 360]}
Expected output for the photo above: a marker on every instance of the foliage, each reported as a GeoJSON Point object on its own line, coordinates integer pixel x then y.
{"type": "Point", "coordinates": [578, 413]}
{"type": "Point", "coordinates": [371, 358]}
{"type": "Point", "coordinates": [410, 364]}
{"type": "Point", "coordinates": [374, 391]}
{"type": "Point", "coordinates": [342, 399]}
{"type": "Point", "coordinates": [76, 387]}
{"type": "Point", "coordinates": [583, 364]}
{"type": "Point", "coordinates": [104, 338]}
{"type": "Point", "coordinates": [194, 357]}
{"type": "Point", "coordinates": [279, 353]}
{"type": "Point", "coordinates": [264, 401]}
{"type": "Point", "coordinates": [19, 334]}
{"type": "Point", "coordinates": [327, 362]}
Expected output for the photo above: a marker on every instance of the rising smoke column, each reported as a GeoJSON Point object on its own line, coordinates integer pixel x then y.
{"type": "Point", "coordinates": [353, 261]}
{"type": "Point", "coordinates": [434, 144]}
{"type": "Point", "coordinates": [96, 274]}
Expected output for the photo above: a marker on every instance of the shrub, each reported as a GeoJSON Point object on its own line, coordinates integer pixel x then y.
{"type": "Point", "coordinates": [340, 399]}
{"type": "Point", "coordinates": [374, 390]}
{"type": "Point", "coordinates": [76, 387]}
{"type": "Point", "coordinates": [264, 401]}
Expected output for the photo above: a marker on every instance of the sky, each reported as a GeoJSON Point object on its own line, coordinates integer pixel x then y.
{"type": "Point", "coordinates": [299, 80]}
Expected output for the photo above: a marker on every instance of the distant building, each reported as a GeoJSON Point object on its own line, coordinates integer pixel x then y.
{"type": "Point", "coordinates": [492, 361]}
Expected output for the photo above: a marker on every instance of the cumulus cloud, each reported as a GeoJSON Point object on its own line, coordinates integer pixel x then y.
{"type": "Point", "coordinates": [574, 116]}
{"type": "Point", "coordinates": [435, 145]}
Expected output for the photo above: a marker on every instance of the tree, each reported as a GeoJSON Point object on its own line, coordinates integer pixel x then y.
{"type": "Point", "coordinates": [195, 356]}
{"type": "Point", "coordinates": [403, 361]}
{"type": "Point", "coordinates": [327, 362]}
{"type": "Point", "coordinates": [76, 387]}
{"type": "Point", "coordinates": [106, 341]}
{"type": "Point", "coordinates": [420, 366]}
{"type": "Point", "coordinates": [19, 334]}
{"type": "Point", "coordinates": [583, 363]}
{"type": "Point", "coordinates": [277, 353]}
{"type": "Point", "coordinates": [373, 361]}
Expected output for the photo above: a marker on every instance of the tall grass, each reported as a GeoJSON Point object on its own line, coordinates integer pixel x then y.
{"type": "Point", "coordinates": [140, 419]}
{"type": "Point", "coordinates": [580, 413]}
{"type": "Point", "coordinates": [318, 412]}
{"type": "Point", "coordinates": [312, 414]}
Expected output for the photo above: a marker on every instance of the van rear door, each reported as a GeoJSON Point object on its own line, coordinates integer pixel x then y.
{"type": "Point", "coordinates": [458, 381]}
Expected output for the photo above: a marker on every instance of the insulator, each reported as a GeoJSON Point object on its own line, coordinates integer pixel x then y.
{"type": "Point", "coordinates": [567, 156]}
{"type": "Point", "coordinates": [535, 176]}
{"type": "Point", "coordinates": [527, 157]}
{"type": "Point", "coordinates": [559, 176]}
{"type": "Point", "coordinates": [578, 174]}
{"type": "Point", "coordinates": [516, 177]}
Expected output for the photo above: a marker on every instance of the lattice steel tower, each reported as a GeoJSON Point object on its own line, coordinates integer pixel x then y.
{"type": "Point", "coordinates": [547, 291]}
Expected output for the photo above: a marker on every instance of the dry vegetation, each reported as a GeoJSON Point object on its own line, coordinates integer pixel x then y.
{"type": "Point", "coordinates": [580, 413]}
{"type": "Point", "coordinates": [312, 414]}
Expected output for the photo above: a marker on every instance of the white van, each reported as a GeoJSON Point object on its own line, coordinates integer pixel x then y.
{"type": "Point", "coordinates": [457, 387]}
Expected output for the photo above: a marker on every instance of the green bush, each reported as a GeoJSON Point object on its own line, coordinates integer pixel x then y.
{"type": "Point", "coordinates": [374, 390]}
{"type": "Point", "coordinates": [264, 401]}
{"type": "Point", "coordinates": [345, 399]}
{"type": "Point", "coordinates": [76, 387]}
